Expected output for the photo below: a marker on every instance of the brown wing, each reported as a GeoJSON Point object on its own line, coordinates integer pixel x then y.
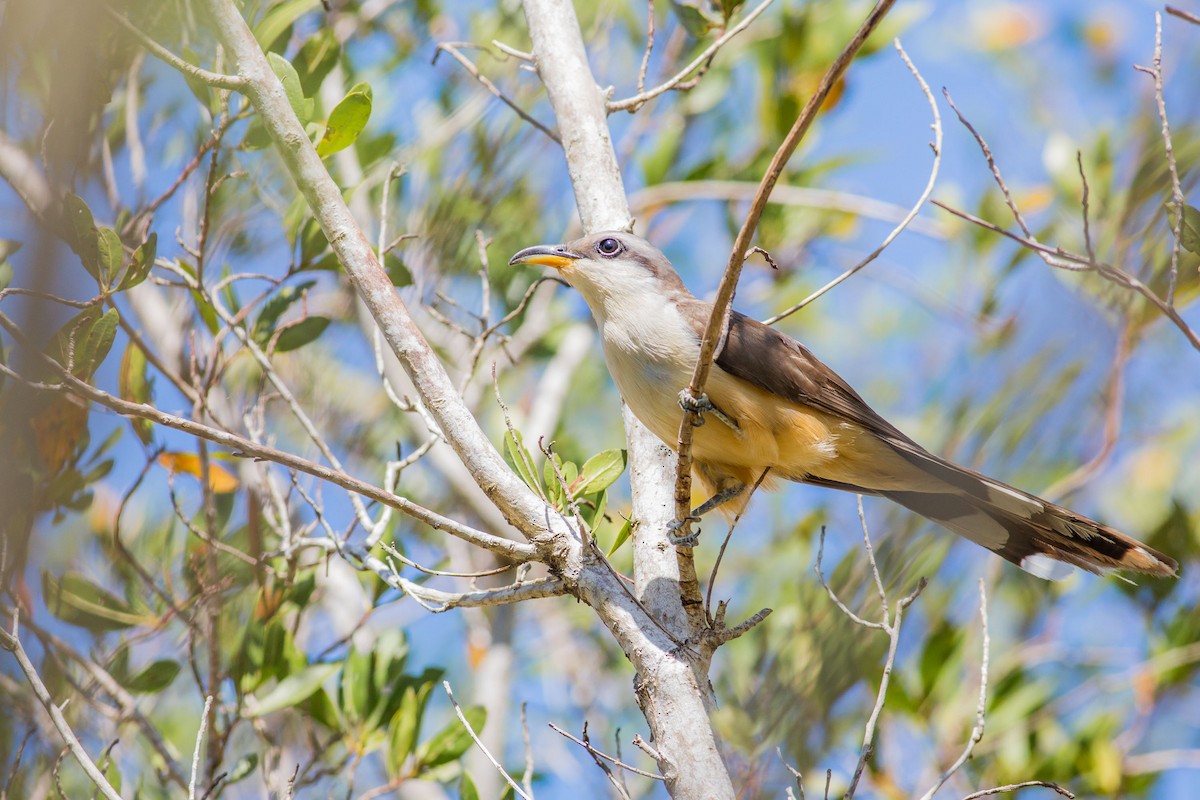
{"type": "Point", "coordinates": [1024, 529]}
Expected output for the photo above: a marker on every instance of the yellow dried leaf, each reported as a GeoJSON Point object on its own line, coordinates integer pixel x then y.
{"type": "Point", "coordinates": [220, 480]}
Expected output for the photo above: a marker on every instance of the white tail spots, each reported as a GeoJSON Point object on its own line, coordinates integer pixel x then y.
{"type": "Point", "coordinates": [1045, 567]}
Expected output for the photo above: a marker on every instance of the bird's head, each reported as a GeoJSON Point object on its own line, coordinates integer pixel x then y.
{"type": "Point", "coordinates": [606, 266]}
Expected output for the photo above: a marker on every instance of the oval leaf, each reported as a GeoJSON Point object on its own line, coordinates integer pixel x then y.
{"type": "Point", "coordinates": [599, 472]}
{"type": "Point", "coordinates": [73, 598]}
{"type": "Point", "coordinates": [346, 121]}
{"type": "Point", "coordinates": [153, 678]}
{"type": "Point", "coordinates": [295, 689]}
{"type": "Point", "coordinates": [290, 79]}
{"type": "Point", "coordinates": [452, 741]}
{"type": "Point", "coordinates": [298, 334]}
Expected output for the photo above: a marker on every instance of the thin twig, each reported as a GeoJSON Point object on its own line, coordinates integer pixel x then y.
{"type": "Point", "coordinates": [641, 82]}
{"type": "Point", "coordinates": [1012, 787]}
{"type": "Point", "coordinates": [518, 551]}
{"type": "Point", "coordinates": [980, 709]}
{"type": "Point", "coordinates": [936, 146]}
{"type": "Point", "coordinates": [208, 701]}
{"type": "Point", "coordinates": [1059, 258]}
{"type": "Point", "coordinates": [527, 775]}
{"type": "Point", "coordinates": [991, 161]}
{"type": "Point", "coordinates": [475, 737]}
{"type": "Point", "coordinates": [712, 576]}
{"type": "Point", "coordinates": [1184, 15]}
{"type": "Point", "coordinates": [587, 745]}
{"type": "Point", "coordinates": [637, 101]}
{"type": "Point", "coordinates": [1172, 167]}
{"type": "Point", "coordinates": [11, 641]}
{"type": "Point", "coordinates": [469, 66]}
{"type": "Point", "coordinates": [718, 321]}
{"type": "Point", "coordinates": [232, 82]}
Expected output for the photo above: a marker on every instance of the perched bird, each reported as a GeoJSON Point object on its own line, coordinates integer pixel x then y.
{"type": "Point", "coordinates": [774, 407]}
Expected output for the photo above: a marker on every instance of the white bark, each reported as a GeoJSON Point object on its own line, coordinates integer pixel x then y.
{"type": "Point", "coordinates": [672, 682]}
{"type": "Point", "coordinates": [672, 686]}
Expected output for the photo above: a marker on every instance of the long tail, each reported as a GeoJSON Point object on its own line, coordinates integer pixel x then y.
{"type": "Point", "coordinates": [1038, 536]}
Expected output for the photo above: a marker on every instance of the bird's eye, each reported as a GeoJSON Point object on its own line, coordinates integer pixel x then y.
{"type": "Point", "coordinates": [608, 247]}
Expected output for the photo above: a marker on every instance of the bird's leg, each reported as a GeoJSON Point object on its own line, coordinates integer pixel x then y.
{"type": "Point", "coordinates": [701, 406]}
{"type": "Point", "coordinates": [690, 538]}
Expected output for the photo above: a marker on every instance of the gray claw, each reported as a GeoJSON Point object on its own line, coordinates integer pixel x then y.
{"type": "Point", "coordinates": [685, 539]}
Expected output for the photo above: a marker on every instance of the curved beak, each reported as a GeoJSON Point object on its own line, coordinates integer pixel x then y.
{"type": "Point", "coordinates": [545, 255]}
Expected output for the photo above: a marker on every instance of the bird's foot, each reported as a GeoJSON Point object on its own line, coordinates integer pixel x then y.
{"type": "Point", "coordinates": [680, 534]}
{"type": "Point", "coordinates": [702, 405]}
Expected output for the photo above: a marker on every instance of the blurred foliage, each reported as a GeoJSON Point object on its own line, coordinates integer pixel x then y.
{"type": "Point", "coordinates": [178, 267]}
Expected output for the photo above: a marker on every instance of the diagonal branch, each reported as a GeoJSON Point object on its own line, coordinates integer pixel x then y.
{"type": "Point", "coordinates": [452, 49]}
{"type": "Point", "coordinates": [936, 145]}
{"type": "Point", "coordinates": [12, 643]}
{"type": "Point", "coordinates": [632, 104]}
{"type": "Point", "coordinates": [718, 322]}
{"type": "Point", "coordinates": [247, 448]}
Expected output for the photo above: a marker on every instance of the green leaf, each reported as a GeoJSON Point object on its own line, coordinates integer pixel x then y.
{"type": "Point", "coordinates": [622, 535]}
{"type": "Point", "coordinates": [74, 599]}
{"type": "Point", "coordinates": [398, 272]}
{"type": "Point", "coordinates": [594, 514]}
{"type": "Point", "coordinates": [451, 741]}
{"type": "Point", "coordinates": [8, 247]}
{"type": "Point", "coordinates": [295, 689]}
{"type": "Point", "coordinates": [141, 262]}
{"type": "Point", "coordinates": [346, 121]}
{"type": "Point", "coordinates": [279, 19]}
{"type": "Point", "coordinates": [730, 7]}
{"type": "Point", "coordinates": [256, 137]}
{"type": "Point", "coordinates": [134, 385]}
{"type": "Point", "coordinates": [112, 255]}
{"type": "Point", "coordinates": [466, 787]}
{"type": "Point", "coordinates": [6, 274]}
{"type": "Point", "coordinates": [81, 232]}
{"type": "Point", "coordinates": [600, 472]}
{"type": "Point", "coordinates": [93, 349]}
{"type": "Point", "coordinates": [694, 18]}
{"type": "Point", "coordinates": [290, 79]}
{"type": "Point", "coordinates": [391, 654]}
{"type": "Point", "coordinates": [242, 769]}
{"type": "Point", "coordinates": [355, 687]}
{"type": "Point", "coordinates": [520, 459]}
{"type": "Point", "coordinates": [317, 57]}
{"type": "Point", "coordinates": [554, 487]}
{"type": "Point", "coordinates": [403, 730]}
{"type": "Point", "coordinates": [154, 678]}
{"type": "Point", "coordinates": [298, 334]}
{"type": "Point", "coordinates": [274, 307]}
{"type": "Point", "coordinates": [1189, 230]}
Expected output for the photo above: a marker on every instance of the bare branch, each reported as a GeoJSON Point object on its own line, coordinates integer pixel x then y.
{"type": "Point", "coordinates": [632, 104]}
{"type": "Point", "coordinates": [980, 709]}
{"type": "Point", "coordinates": [587, 745]}
{"type": "Point", "coordinates": [469, 66]}
{"type": "Point", "coordinates": [1059, 258]}
{"type": "Point", "coordinates": [11, 642]}
{"type": "Point", "coordinates": [517, 551]}
{"type": "Point", "coordinates": [936, 146]}
{"type": "Point", "coordinates": [516, 787]}
{"type": "Point", "coordinates": [714, 333]}
{"type": "Point", "coordinates": [1184, 15]}
{"type": "Point", "coordinates": [1172, 167]}
{"type": "Point", "coordinates": [1012, 787]}
{"type": "Point", "coordinates": [208, 701]}
{"type": "Point", "coordinates": [645, 200]}
{"type": "Point", "coordinates": [231, 82]}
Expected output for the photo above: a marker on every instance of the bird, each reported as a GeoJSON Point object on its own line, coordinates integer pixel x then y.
{"type": "Point", "coordinates": [781, 413]}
